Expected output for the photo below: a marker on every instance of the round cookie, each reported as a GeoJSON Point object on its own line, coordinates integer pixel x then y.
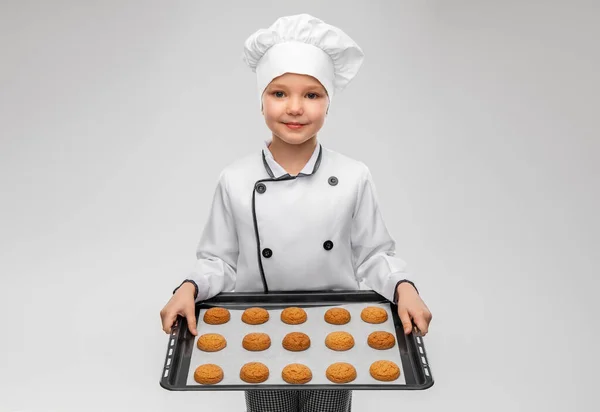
{"type": "Point", "coordinates": [293, 316]}
{"type": "Point", "coordinates": [296, 373]}
{"type": "Point", "coordinates": [341, 372]}
{"type": "Point", "coordinates": [383, 370]}
{"type": "Point", "coordinates": [256, 341]}
{"type": "Point", "coordinates": [254, 372]}
{"type": "Point", "coordinates": [381, 340]}
{"type": "Point", "coordinates": [296, 341]}
{"type": "Point", "coordinates": [208, 374]}
{"type": "Point", "coordinates": [373, 314]}
{"type": "Point", "coordinates": [255, 316]}
{"type": "Point", "coordinates": [211, 342]}
{"type": "Point", "coordinates": [216, 316]}
{"type": "Point", "coordinates": [337, 316]}
{"type": "Point", "coordinates": [339, 341]}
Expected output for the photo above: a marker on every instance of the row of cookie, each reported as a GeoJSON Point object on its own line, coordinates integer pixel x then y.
{"type": "Point", "coordinates": [296, 373]}
{"type": "Point", "coordinates": [296, 341]}
{"type": "Point", "coordinates": [294, 316]}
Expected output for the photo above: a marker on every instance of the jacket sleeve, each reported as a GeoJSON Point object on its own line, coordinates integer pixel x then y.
{"type": "Point", "coordinates": [217, 252]}
{"type": "Point", "coordinates": [373, 249]}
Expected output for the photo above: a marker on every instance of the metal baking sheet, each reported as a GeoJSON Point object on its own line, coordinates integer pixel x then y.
{"type": "Point", "coordinates": [183, 356]}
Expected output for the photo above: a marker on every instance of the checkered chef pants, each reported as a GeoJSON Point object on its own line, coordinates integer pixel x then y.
{"type": "Point", "coordinates": [305, 400]}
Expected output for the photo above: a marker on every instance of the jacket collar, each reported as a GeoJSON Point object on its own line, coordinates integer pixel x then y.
{"type": "Point", "coordinates": [276, 171]}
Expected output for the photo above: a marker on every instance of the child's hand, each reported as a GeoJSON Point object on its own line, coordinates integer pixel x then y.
{"type": "Point", "coordinates": [410, 306]}
{"type": "Point", "coordinates": [181, 303]}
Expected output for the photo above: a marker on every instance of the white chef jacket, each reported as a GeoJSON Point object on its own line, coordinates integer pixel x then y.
{"type": "Point", "coordinates": [319, 230]}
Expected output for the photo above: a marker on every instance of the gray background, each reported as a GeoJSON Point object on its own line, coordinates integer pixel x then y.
{"type": "Point", "coordinates": [479, 121]}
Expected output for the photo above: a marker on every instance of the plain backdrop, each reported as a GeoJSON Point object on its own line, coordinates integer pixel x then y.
{"type": "Point", "coordinates": [478, 120]}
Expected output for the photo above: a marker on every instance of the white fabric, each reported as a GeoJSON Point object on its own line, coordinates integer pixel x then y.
{"type": "Point", "coordinates": [294, 218]}
{"type": "Point", "coordinates": [295, 57]}
{"type": "Point", "coordinates": [279, 171]}
{"type": "Point", "coordinates": [306, 45]}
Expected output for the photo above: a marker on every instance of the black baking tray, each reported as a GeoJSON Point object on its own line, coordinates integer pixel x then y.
{"type": "Point", "coordinates": [415, 365]}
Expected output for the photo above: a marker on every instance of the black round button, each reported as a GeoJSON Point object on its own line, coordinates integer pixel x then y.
{"type": "Point", "coordinates": [261, 188]}
{"type": "Point", "coordinates": [333, 180]}
{"type": "Point", "coordinates": [328, 245]}
{"type": "Point", "coordinates": [267, 252]}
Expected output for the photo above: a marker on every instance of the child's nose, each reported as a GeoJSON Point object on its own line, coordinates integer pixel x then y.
{"type": "Point", "coordinates": [294, 106]}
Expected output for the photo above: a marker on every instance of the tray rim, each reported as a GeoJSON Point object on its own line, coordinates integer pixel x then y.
{"type": "Point", "coordinates": [179, 334]}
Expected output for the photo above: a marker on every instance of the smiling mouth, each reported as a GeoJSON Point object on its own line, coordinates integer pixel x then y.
{"type": "Point", "coordinates": [294, 125]}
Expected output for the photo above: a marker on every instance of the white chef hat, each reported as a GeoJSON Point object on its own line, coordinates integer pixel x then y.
{"type": "Point", "coordinates": [303, 44]}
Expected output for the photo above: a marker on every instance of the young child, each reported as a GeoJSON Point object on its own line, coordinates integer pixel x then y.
{"type": "Point", "coordinates": [299, 216]}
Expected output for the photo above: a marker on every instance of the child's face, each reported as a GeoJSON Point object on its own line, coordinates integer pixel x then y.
{"type": "Point", "coordinates": [295, 98]}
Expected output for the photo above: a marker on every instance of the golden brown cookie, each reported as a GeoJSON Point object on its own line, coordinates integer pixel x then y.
{"type": "Point", "coordinates": [296, 341]}
{"type": "Point", "coordinates": [255, 316]}
{"type": "Point", "coordinates": [341, 372]}
{"type": "Point", "coordinates": [383, 370]}
{"type": "Point", "coordinates": [296, 373]}
{"type": "Point", "coordinates": [211, 342]}
{"type": "Point", "coordinates": [208, 374]}
{"type": "Point", "coordinates": [339, 341]}
{"type": "Point", "coordinates": [256, 341]}
{"type": "Point", "coordinates": [373, 314]}
{"type": "Point", "coordinates": [216, 316]}
{"type": "Point", "coordinates": [337, 316]}
{"type": "Point", "coordinates": [381, 340]}
{"type": "Point", "coordinates": [254, 372]}
{"type": "Point", "coordinates": [293, 316]}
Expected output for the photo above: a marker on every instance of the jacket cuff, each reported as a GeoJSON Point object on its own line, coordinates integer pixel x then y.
{"type": "Point", "coordinates": [396, 289]}
{"type": "Point", "coordinates": [192, 282]}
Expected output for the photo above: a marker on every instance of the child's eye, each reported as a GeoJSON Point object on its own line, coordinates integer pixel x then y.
{"type": "Point", "coordinates": [276, 94]}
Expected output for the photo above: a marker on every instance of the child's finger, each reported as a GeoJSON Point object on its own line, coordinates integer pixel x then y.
{"type": "Point", "coordinates": [168, 322]}
{"type": "Point", "coordinates": [191, 320]}
{"type": "Point", "coordinates": [421, 324]}
{"type": "Point", "coordinates": [405, 319]}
